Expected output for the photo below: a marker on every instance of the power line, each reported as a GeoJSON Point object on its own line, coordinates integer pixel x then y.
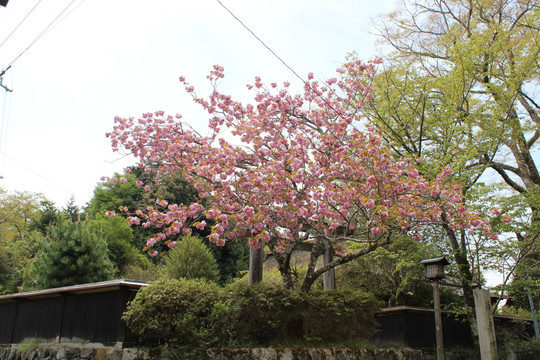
{"type": "Point", "coordinates": [47, 28]}
{"type": "Point", "coordinates": [37, 174]}
{"type": "Point", "coordinates": [280, 59]}
{"type": "Point", "coordinates": [6, 39]}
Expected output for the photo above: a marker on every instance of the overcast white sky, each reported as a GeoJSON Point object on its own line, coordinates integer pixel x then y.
{"type": "Point", "coordinates": [124, 57]}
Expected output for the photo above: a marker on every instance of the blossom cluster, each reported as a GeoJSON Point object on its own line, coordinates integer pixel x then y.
{"type": "Point", "coordinates": [295, 164]}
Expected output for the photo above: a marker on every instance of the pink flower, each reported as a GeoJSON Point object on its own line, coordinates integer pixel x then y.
{"type": "Point", "coordinates": [377, 230]}
{"type": "Point", "coordinates": [201, 225]}
{"type": "Point", "coordinates": [110, 214]}
{"type": "Point", "coordinates": [133, 220]}
{"type": "Point", "coordinates": [370, 203]}
{"type": "Point", "coordinates": [153, 253]}
{"type": "Point", "coordinates": [248, 210]}
{"type": "Point", "coordinates": [113, 181]}
{"type": "Point", "coordinates": [150, 242]}
{"type": "Point", "coordinates": [171, 244]}
{"type": "Point", "coordinates": [495, 211]}
{"type": "Point", "coordinates": [506, 219]}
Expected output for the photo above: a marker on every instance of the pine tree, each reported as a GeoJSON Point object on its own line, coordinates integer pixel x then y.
{"type": "Point", "coordinates": [71, 254]}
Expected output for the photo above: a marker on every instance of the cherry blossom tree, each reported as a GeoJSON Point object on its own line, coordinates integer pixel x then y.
{"type": "Point", "coordinates": [290, 169]}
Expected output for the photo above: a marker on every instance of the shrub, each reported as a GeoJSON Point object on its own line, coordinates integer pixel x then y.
{"type": "Point", "coordinates": [339, 315]}
{"type": "Point", "coordinates": [263, 313]}
{"type": "Point", "coordinates": [174, 311]}
{"type": "Point", "coordinates": [193, 313]}
{"type": "Point", "coordinates": [191, 259]}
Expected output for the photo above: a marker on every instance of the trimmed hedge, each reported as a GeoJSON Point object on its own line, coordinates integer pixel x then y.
{"type": "Point", "coordinates": [177, 311]}
{"type": "Point", "coordinates": [195, 313]}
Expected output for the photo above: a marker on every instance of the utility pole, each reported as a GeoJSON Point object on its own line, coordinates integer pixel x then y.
{"type": "Point", "coordinates": [4, 71]}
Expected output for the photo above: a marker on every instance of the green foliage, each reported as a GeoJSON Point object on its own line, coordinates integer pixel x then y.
{"type": "Point", "coordinates": [194, 313]}
{"type": "Point", "coordinates": [47, 215]}
{"type": "Point", "coordinates": [71, 211]}
{"type": "Point", "coordinates": [175, 311]}
{"type": "Point", "coordinates": [71, 254]}
{"type": "Point", "coordinates": [339, 315]}
{"type": "Point", "coordinates": [232, 259]}
{"type": "Point", "coordinates": [190, 259]}
{"type": "Point", "coordinates": [109, 196]}
{"type": "Point", "coordinates": [119, 236]}
{"type": "Point", "coordinates": [142, 272]}
{"type": "Point", "coordinates": [392, 273]}
{"type": "Point", "coordinates": [19, 212]}
{"type": "Point", "coordinates": [515, 340]}
{"type": "Point", "coordinates": [263, 313]}
{"type": "Point", "coordinates": [174, 188]}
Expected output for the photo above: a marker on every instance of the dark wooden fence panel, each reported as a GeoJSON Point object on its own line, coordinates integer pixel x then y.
{"type": "Point", "coordinates": [8, 312]}
{"type": "Point", "coordinates": [39, 318]}
{"type": "Point", "coordinates": [82, 313]}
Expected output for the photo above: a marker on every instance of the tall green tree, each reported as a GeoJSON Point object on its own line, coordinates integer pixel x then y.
{"type": "Point", "coordinates": [19, 212]}
{"type": "Point", "coordinates": [71, 254]}
{"type": "Point", "coordinates": [459, 88]}
{"type": "Point", "coordinates": [109, 196]}
{"type": "Point", "coordinates": [47, 215]}
{"type": "Point", "coordinates": [118, 235]}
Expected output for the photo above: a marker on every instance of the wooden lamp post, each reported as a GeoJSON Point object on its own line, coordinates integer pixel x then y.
{"type": "Point", "coordinates": [435, 272]}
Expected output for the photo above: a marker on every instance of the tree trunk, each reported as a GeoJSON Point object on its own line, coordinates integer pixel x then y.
{"type": "Point", "coordinates": [466, 279]}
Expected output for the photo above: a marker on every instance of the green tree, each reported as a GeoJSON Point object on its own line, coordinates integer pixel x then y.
{"type": "Point", "coordinates": [118, 236]}
{"type": "Point", "coordinates": [390, 273]}
{"type": "Point", "coordinates": [19, 211]}
{"type": "Point", "coordinates": [111, 195]}
{"type": "Point", "coordinates": [72, 211]}
{"type": "Point", "coordinates": [190, 259]}
{"type": "Point", "coordinates": [47, 215]}
{"type": "Point", "coordinates": [71, 254]}
{"type": "Point", "coordinates": [459, 88]}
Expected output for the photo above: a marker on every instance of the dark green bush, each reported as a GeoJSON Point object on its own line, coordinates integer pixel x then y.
{"type": "Point", "coordinates": [196, 313]}
{"type": "Point", "coordinates": [174, 311]}
{"type": "Point", "coordinates": [339, 315]}
{"type": "Point", "coordinates": [263, 313]}
{"type": "Point", "coordinates": [515, 339]}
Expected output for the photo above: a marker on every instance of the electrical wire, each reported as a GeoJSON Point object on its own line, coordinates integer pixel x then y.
{"type": "Point", "coordinates": [280, 59]}
{"type": "Point", "coordinates": [20, 23]}
{"type": "Point", "coordinates": [37, 174]}
{"type": "Point", "coordinates": [47, 28]}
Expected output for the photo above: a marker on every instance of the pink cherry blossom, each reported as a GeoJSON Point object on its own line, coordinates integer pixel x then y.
{"type": "Point", "coordinates": [301, 167]}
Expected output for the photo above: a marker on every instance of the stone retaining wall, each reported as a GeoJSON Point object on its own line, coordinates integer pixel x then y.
{"type": "Point", "coordinates": [85, 352]}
